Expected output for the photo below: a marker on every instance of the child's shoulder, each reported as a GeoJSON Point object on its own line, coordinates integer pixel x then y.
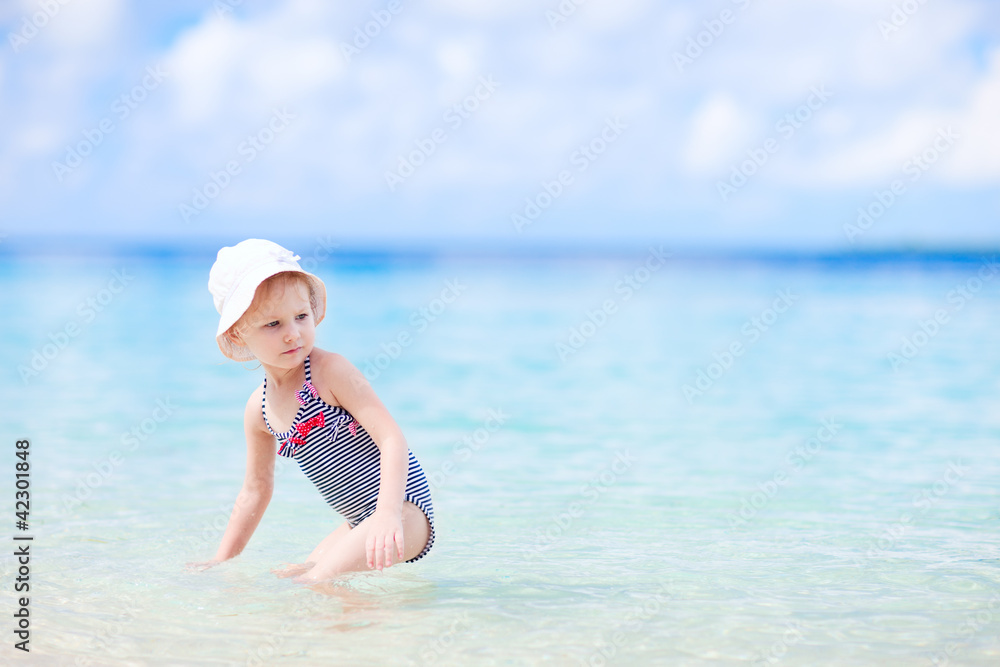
{"type": "Point", "coordinates": [258, 394]}
{"type": "Point", "coordinates": [326, 360]}
{"type": "Point", "coordinates": [332, 363]}
{"type": "Point", "coordinates": [334, 369]}
{"type": "Point", "coordinates": [253, 414]}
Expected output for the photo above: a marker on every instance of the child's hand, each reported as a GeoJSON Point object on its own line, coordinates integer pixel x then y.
{"type": "Point", "coordinates": [200, 567]}
{"type": "Point", "coordinates": [385, 536]}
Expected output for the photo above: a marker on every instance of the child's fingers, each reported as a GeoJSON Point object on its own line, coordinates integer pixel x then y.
{"type": "Point", "coordinates": [200, 567]}
{"type": "Point", "coordinates": [379, 551]}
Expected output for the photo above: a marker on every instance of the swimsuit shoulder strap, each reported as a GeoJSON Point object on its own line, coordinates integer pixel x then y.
{"type": "Point", "coordinates": [302, 395]}
{"type": "Point", "coordinates": [308, 388]}
{"type": "Point", "coordinates": [263, 405]}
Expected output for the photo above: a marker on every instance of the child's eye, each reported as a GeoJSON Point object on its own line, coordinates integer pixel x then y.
{"type": "Point", "coordinates": [272, 324]}
{"type": "Point", "coordinates": [302, 316]}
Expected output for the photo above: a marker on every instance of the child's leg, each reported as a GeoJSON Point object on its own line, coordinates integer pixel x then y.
{"type": "Point", "coordinates": [328, 542]}
{"type": "Point", "coordinates": [323, 547]}
{"type": "Point", "coordinates": [291, 570]}
{"type": "Point", "coordinates": [346, 552]}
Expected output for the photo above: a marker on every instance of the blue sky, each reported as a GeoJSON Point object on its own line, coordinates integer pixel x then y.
{"type": "Point", "coordinates": [732, 124]}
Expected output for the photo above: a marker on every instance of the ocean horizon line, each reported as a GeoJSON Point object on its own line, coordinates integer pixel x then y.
{"type": "Point", "coordinates": [376, 252]}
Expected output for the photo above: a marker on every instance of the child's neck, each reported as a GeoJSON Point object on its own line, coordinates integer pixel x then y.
{"type": "Point", "coordinates": [283, 377]}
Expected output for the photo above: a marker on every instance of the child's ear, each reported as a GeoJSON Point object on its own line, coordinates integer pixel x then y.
{"type": "Point", "coordinates": [234, 337]}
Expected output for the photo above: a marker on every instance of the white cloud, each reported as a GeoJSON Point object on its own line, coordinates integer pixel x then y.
{"type": "Point", "coordinates": [224, 64]}
{"type": "Point", "coordinates": [876, 155]}
{"type": "Point", "coordinates": [486, 10]}
{"type": "Point", "coordinates": [47, 79]}
{"type": "Point", "coordinates": [460, 58]}
{"type": "Point", "coordinates": [79, 25]}
{"type": "Point", "coordinates": [719, 130]}
{"type": "Point", "coordinates": [200, 66]}
{"type": "Point", "coordinates": [291, 68]}
{"type": "Point", "coordinates": [976, 158]}
{"type": "Point", "coordinates": [353, 119]}
{"type": "Point", "coordinates": [867, 160]}
{"type": "Point", "coordinates": [605, 15]}
{"type": "Point", "coordinates": [890, 95]}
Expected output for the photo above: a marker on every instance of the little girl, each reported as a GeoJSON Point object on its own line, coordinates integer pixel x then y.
{"type": "Point", "coordinates": [314, 406]}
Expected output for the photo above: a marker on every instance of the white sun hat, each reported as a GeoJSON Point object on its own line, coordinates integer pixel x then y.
{"type": "Point", "coordinates": [235, 276]}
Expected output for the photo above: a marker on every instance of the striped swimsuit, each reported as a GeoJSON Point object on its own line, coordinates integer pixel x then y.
{"type": "Point", "coordinates": [335, 451]}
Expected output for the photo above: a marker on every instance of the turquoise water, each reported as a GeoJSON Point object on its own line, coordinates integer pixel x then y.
{"type": "Point", "coordinates": [803, 502]}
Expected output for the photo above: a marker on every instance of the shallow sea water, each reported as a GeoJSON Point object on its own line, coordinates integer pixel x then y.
{"type": "Point", "coordinates": [811, 505]}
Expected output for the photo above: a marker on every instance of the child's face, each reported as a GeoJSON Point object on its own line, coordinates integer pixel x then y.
{"type": "Point", "coordinates": [281, 331]}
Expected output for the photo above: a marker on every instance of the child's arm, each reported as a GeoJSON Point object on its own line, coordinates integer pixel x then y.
{"type": "Point", "coordinates": [355, 393]}
{"type": "Point", "coordinates": [257, 484]}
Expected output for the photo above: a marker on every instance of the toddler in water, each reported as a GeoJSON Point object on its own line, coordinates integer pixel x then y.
{"type": "Point", "coordinates": [314, 406]}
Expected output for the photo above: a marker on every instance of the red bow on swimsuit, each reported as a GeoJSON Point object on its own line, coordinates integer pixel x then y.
{"type": "Point", "coordinates": [303, 429]}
